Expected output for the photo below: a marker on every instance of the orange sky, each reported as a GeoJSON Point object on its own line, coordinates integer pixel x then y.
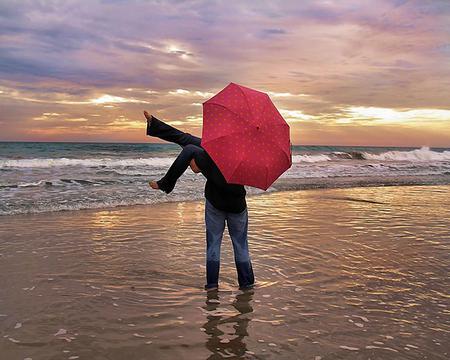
{"type": "Point", "coordinates": [346, 72]}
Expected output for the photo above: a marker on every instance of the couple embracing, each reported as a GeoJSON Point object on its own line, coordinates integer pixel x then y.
{"type": "Point", "coordinates": [225, 203]}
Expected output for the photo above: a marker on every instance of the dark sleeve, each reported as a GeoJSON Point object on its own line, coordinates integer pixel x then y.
{"type": "Point", "coordinates": [209, 169]}
{"type": "Point", "coordinates": [212, 173]}
{"type": "Point", "coordinates": [215, 176]}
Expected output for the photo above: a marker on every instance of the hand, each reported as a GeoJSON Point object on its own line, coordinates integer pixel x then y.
{"type": "Point", "coordinates": [194, 167]}
{"type": "Point", "coordinates": [154, 185]}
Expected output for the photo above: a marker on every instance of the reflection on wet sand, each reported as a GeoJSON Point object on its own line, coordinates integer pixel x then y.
{"type": "Point", "coordinates": [227, 332]}
{"type": "Point", "coordinates": [341, 274]}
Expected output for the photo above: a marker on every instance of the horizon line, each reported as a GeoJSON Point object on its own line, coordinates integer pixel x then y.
{"type": "Point", "coordinates": [167, 143]}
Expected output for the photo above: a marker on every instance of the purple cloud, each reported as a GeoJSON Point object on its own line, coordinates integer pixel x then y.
{"type": "Point", "coordinates": [388, 53]}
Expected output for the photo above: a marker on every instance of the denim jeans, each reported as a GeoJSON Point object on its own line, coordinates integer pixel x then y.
{"type": "Point", "coordinates": [237, 224]}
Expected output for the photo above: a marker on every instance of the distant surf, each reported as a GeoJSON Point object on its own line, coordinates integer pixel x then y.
{"type": "Point", "coordinates": [41, 177]}
{"type": "Point", "coordinates": [417, 155]}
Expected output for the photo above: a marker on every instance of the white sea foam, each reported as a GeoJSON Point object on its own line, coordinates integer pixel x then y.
{"type": "Point", "coordinates": [120, 163]}
{"type": "Point", "coordinates": [100, 204]}
{"type": "Point", "coordinates": [89, 162]}
{"type": "Point", "coordinates": [422, 154]}
{"type": "Point", "coordinates": [33, 184]}
{"type": "Point", "coordinates": [310, 158]}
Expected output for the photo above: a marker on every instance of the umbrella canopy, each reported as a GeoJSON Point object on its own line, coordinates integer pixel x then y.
{"type": "Point", "coordinates": [246, 136]}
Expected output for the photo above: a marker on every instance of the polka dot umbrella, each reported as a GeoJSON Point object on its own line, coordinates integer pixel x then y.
{"type": "Point", "coordinates": [246, 136]}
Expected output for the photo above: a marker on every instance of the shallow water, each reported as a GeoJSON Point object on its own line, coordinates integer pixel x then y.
{"type": "Point", "coordinates": [356, 273]}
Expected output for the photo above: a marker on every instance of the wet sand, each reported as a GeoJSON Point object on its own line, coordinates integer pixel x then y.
{"type": "Point", "coordinates": [340, 182]}
{"type": "Point", "coordinates": [357, 273]}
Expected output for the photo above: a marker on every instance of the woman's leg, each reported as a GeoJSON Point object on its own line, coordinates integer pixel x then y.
{"type": "Point", "coordinates": [178, 167]}
{"type": "Point", "coordinates": [161, 130]}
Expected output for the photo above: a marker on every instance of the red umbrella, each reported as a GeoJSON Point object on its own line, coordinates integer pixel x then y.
{"type": "Point", "coordinates": [246, 136]}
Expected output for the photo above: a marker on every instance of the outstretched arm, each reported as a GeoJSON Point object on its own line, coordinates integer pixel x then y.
{"type": "Point", "coordinates": [160, 129]}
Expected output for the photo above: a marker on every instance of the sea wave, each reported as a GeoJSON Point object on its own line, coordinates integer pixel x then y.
{"type": "Point", "coordinates": [196, 193]}
{"type": "Point", "coordinates": [310, 158]}
{"type": "Point", "coordinates": [331, 156]}
{"type": "Point", "coordinates": [99, 204]}
{"type": "Point", "coordinates": [422, 154]}
{"type": "Point", "coordinates": [63, 182]}
{"type": "Point", "coordinates": [27, 184]}
{"type": "Point", "coordinates": [88, 162]}
{"type": "Point", "coordinates": [118, 163]}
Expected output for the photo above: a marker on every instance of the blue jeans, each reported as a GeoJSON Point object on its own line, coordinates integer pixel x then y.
{"type": "Point", "coordinates": [237, 224]}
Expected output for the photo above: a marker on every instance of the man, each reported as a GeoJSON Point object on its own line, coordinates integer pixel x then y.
{"type": "Point", "coordinates": [224, 202]}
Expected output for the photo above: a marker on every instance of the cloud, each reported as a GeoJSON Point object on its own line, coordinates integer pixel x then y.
{"type": "Point", "coordinates": [326, 62]}
{"type": "Point", "coordinates": [284, 94]}
{"type": "Point", "coordinates": [271, 32]}
{"type": "Point", "coordinates": [110, 99]}
{"type": "Point", "coordinates": [374, 115]}
{"type": "Point", "coordinates": [179, 92]}
{"type": "Point", "coordinates": [294, 115]}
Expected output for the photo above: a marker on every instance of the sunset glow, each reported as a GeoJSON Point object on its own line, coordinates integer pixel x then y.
{"type": "Point", "coordinates": [344, 72]}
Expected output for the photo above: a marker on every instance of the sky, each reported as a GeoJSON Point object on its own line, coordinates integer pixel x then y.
{"type": "Point", "coordinates": [347, 72]}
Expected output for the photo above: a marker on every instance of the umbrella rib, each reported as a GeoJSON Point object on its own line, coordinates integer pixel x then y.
{"type": "Point", "coordinates": [280, 124]}
{"type": "Point", "coordinates": [246, 100]}
{"type": "Point", "coordinates": [231, 111]}
{"type": "Point", "coordinates": [235, 169]}
{"type": "Point", "coordinates": [267, 177]}
{"type": "Point", "coordinates": [279, 147]}
{"type": "Point", "coordinates": [221, 136]}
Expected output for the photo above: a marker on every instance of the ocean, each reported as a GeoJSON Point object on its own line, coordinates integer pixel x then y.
{"type": "Point", "coordinates": [40, 177]}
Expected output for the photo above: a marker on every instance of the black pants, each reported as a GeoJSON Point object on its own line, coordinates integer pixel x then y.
{"type": "Point", "coordinates": [166, 132]}
{"type": "Point", "coordinates": [190, 144]}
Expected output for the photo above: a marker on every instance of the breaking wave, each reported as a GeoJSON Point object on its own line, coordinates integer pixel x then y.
{"type": "Point", "coordinates": [422, 154]}
{"type": "Point", "coordinates": [310, 158]}
{"type": "Point", "coordinates": [64, 182]}
{"type": "Point", "coordinates": [89, 162]}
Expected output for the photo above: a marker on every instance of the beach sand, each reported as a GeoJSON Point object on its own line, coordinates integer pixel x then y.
{"type": "Point", "coordinates": [354, 273]}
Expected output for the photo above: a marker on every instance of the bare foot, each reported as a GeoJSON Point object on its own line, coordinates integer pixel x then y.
{"type": "Point", "coordinates": [154, 185]}
{"type": "Point", "coordinates": [148, 116]}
